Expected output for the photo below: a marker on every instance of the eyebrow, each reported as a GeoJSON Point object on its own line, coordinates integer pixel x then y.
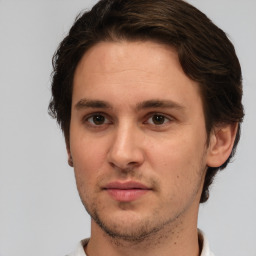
{"type": "Point", "coordinates": [159, 104]}
{"type": "Point", "coordinates": [85, 103]}
{"type": "Point", "coordinates": [154, 103]}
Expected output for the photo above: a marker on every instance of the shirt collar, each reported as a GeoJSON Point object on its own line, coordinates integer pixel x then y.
{"type": "Point", "coordinates": [205, 244]}
{"type": "Point", "coordinates": [201, 236]}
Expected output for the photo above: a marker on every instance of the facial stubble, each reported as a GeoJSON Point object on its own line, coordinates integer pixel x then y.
{"type": "Point", "coordinates": [146, 230]}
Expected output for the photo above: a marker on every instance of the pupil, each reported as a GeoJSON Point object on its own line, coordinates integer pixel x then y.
{"type": "Point", "coordinates": [157, 119]}
{"type": "Point", "coordinates": [98, 119]}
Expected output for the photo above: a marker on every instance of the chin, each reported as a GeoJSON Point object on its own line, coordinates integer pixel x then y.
{"type": "Point", "coordinates": [127, 226]}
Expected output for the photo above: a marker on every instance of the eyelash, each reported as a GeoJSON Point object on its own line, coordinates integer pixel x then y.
{"type": "Point", "coordinates": [107, 120]}
{"type": "Point", "coordinates": [94, 115]}
{"type": "Point", "coordinates": [166, 118]}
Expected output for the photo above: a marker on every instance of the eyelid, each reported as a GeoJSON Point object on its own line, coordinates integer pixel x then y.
{"type": "Point", "coordinates": [90, 115]}
{"type": "Point", "coordinates": [109, 120]}
{"type": "Point", "coordinates": [150, 115]}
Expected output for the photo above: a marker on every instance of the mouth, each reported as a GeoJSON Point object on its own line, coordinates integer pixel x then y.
{"type": "Point", "coordinates": [126, 191]}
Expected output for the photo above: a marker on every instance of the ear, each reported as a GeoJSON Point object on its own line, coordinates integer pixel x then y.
{"type": "Point", "coordinates": [70, 160]}
{"type": "Point", "coordinates": [221, 144]}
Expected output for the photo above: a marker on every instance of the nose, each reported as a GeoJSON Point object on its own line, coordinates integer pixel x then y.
{"type": "Point", "coordinates": [126, 150]}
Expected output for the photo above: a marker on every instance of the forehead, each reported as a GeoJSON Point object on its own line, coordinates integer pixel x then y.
{"type": "Point", "coordinates": [124, 55]}
{"type": "Point", "coordinates": [140, 69]}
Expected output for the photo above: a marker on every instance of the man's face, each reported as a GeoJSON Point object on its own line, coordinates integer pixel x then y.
{"type": "Point", "coordinates": [137, 138]}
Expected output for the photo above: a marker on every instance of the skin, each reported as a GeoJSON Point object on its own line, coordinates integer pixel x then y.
{"type": "Point", "coordinates": [137, 117]}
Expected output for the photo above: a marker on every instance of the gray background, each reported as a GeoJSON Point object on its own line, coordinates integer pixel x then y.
{"type": "Point", "coordinates": [40, 212]}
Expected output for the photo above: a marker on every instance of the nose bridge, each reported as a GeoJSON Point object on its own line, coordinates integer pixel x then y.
{"type": "Point", "coordinates": [126, 149]}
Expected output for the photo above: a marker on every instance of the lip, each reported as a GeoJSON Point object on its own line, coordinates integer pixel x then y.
{"type": "Point", "coordinates": [126, 191]}
{"type": "Point", "coordinates": [125, 185]}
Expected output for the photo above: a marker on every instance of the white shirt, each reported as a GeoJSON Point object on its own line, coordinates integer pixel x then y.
{"type": "Point", "coordinates": [205, 248]}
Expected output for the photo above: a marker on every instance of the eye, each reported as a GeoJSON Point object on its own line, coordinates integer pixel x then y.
{"type": "Point", "coordinates": [158, 119]}
{"type": "Point", "coordinates": [97, 120]}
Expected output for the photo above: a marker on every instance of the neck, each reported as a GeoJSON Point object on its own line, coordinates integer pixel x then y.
{"type": "Point", "coordinates": [176, 239]}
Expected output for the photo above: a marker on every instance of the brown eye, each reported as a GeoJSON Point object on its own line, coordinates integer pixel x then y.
{"type": "Point", "coordinates": [158, 119]}
{"type": "Point", "coordinates": [97, 119]}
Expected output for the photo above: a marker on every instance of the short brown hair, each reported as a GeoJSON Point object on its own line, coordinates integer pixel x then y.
{"type": "Point", "coordinates": [205, 53]}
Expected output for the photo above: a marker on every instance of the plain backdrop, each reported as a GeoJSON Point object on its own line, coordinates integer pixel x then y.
{"type": "Point", "coordinates": [40, 211]}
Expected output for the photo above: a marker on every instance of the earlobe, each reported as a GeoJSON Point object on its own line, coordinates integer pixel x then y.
{"type": "Point", "coordinates": [70, 159]}
{"type": "Point", "coordinates": [221, 144]}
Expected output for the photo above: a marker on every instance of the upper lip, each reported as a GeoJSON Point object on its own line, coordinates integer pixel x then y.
{"type": "Point", "coordinates": [125, 185]}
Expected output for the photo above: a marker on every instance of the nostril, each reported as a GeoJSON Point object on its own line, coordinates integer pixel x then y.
{"type": "Point", "coordinates": [132, 164]}
{"type": "Point", "coordinates": [130, 167]}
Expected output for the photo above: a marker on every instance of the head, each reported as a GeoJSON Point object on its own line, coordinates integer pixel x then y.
{"type": "Point", "coordinates": [205, 54]}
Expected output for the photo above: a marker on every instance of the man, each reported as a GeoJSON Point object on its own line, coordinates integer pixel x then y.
{"type": "Point", "coordinates": [148, 95]}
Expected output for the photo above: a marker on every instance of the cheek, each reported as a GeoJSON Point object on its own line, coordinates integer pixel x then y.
{"type": "Point", "coordinates": [88, 156]}
{"type": "Point", "coordinates": [179, 160]}
{"type": "Point", "coordinates": [87, 159]}
{"type": "Point", "coordinates": [173, 153]}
